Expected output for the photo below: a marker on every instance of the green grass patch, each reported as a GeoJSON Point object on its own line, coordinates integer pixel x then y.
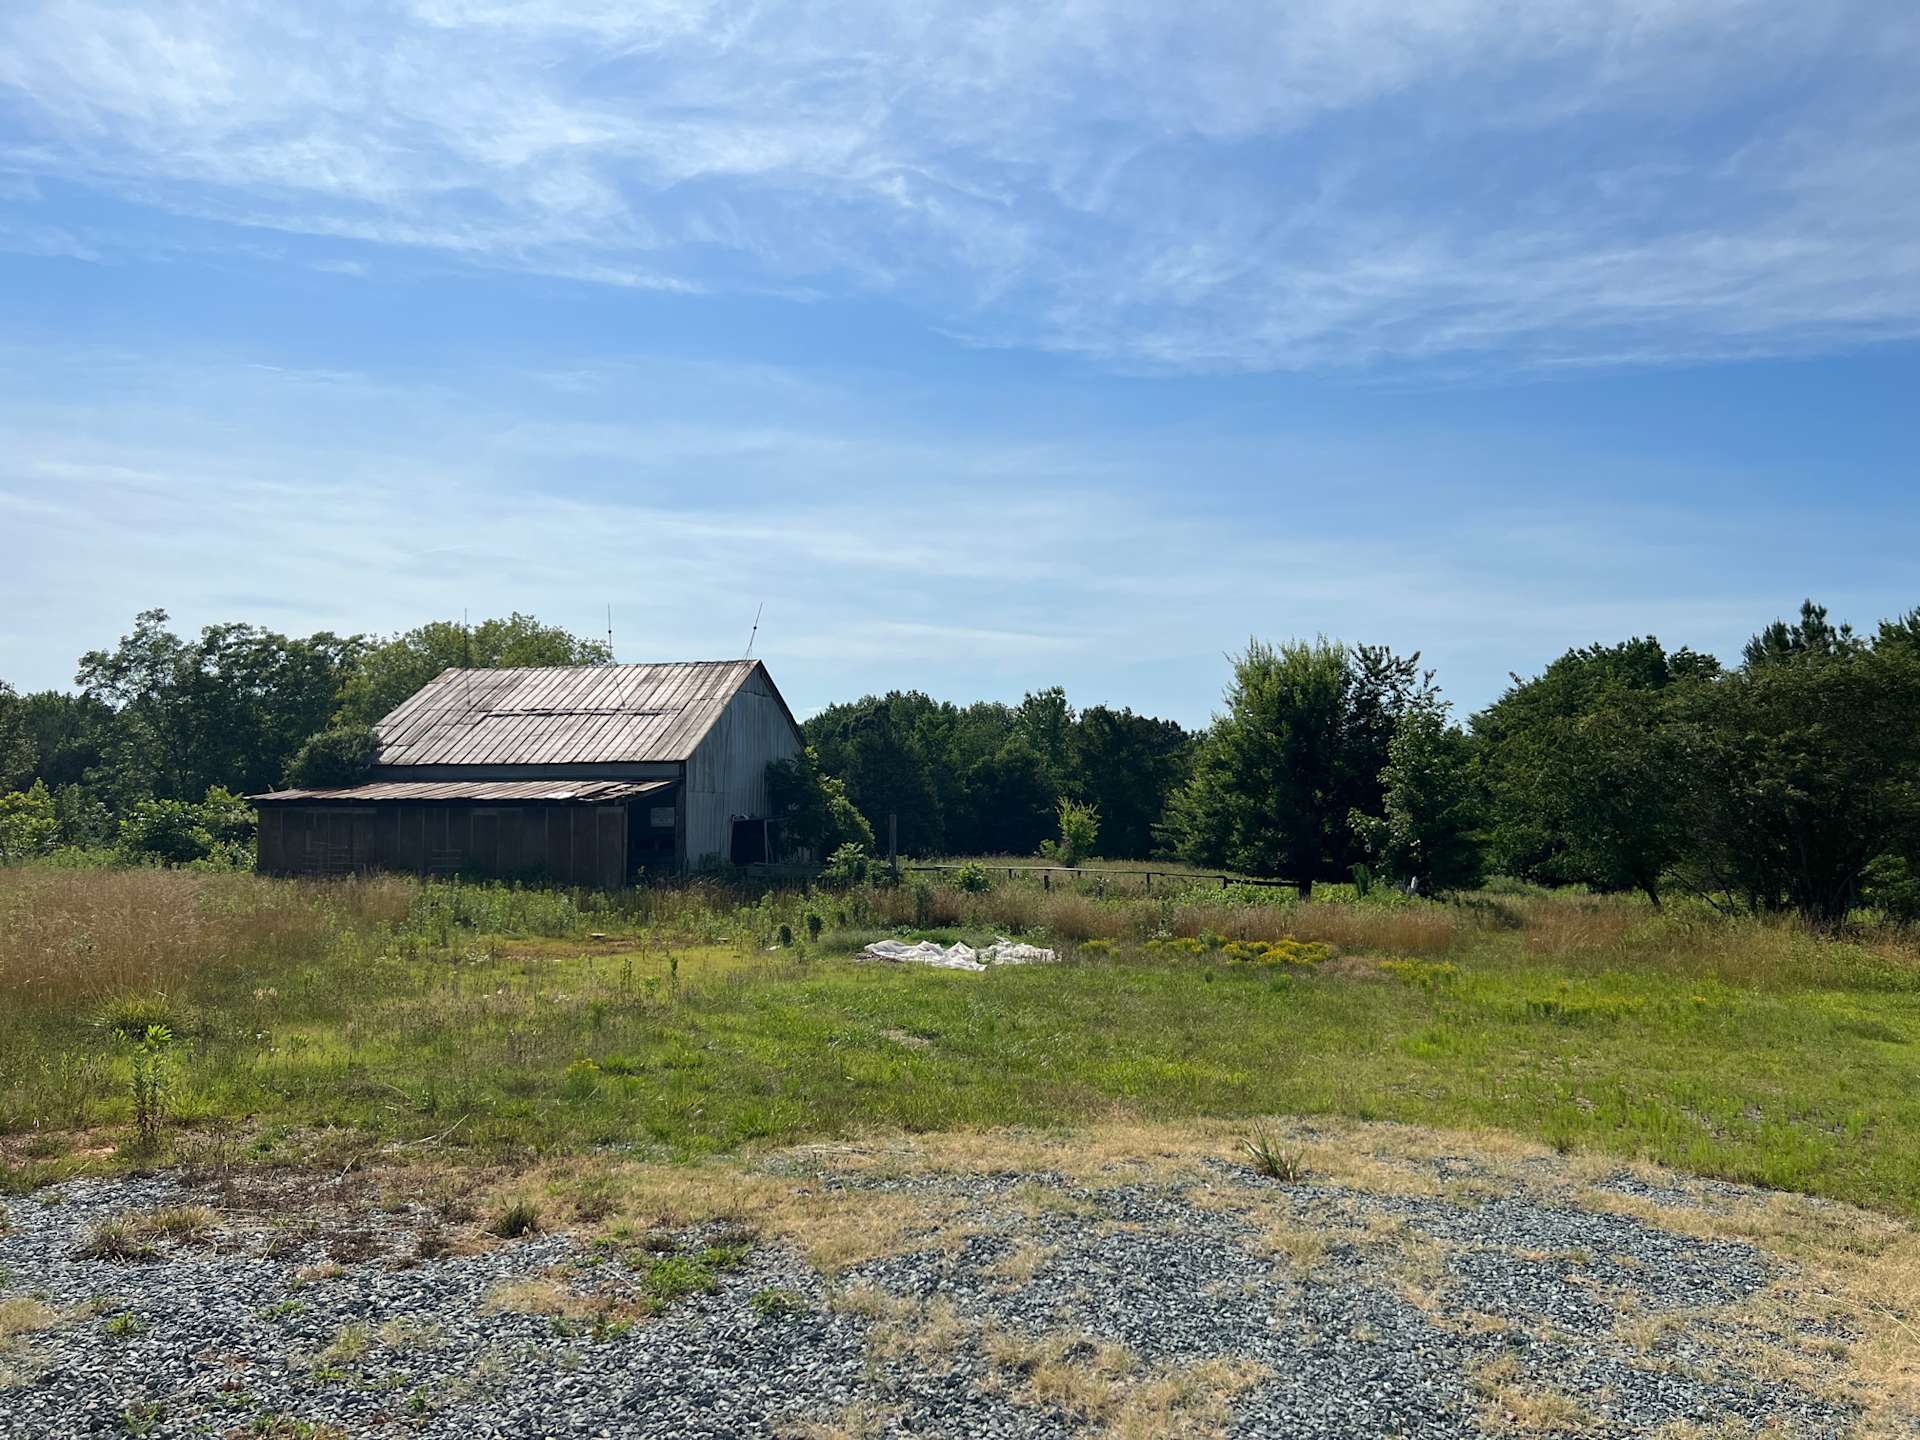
{"type": "Point", "coordinates": [1740, 1049]}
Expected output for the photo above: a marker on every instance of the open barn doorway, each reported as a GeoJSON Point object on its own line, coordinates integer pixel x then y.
{"type": "Point", "coordinates": [752, 841]}
{"type": "Point", "coordinates": [653, 834]}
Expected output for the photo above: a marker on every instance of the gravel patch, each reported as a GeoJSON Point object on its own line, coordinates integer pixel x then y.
{"type": "Point", "coordinates": [265, 1329]}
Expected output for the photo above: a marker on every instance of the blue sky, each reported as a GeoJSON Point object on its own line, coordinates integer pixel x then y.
{"type": "Point", "coordinates": [989, 347]}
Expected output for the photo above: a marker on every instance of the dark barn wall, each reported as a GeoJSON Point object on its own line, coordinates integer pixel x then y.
{"type": "Point", "coordinates": [566, 844]}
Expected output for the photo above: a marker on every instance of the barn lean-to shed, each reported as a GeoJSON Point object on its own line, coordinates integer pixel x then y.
{"type": "Point", "coordinates": [586, 775]}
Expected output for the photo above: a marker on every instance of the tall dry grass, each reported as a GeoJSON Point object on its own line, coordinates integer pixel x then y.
{"type": "Point", "coordinates": [75, 937]}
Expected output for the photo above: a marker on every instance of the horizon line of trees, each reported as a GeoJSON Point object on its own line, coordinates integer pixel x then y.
{"type": "Point", "coordinates": [1790, 780]}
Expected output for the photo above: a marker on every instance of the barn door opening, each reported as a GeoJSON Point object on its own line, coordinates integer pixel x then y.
{"type": "Point", "coordinates": [750, 842]}
{"type": "Point", "coordinates": [652, 829]}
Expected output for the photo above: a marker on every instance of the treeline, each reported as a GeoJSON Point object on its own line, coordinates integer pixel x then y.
{"type": "Point", "coordinates": [1790, 780]}
{"type": "Point", "coordinates": [165, 732]}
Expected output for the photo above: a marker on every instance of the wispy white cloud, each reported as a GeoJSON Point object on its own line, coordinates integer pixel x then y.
{"type": "Point", "coordinates": [1221, 185]}
{"type": "Point", "coordinates": [959, 561]}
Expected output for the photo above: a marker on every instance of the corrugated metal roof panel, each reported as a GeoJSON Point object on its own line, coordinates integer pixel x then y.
{"type": "Point", "coordinates": [552, 792]}
{"type": "Point", "coordinates": [562, 715]}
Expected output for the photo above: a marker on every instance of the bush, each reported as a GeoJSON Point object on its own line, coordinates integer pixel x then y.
{"type": "Point", "coordinates": [973, 879]}
{"type": "Point", "coordinates": [1893, 888]}
{"type": "Point", "coordinates": [166, 831]}
{"type": "Point", "coordinates": [1079, 833]}
{"type": "Point", "coordinates": [217, 832]}
{"type": "Point", "coordinates": [333, 759]}
{"type": "Point", "coordinates": [814, 811]}
{"type": "Point", "coordinates": [28, 825]}
{"type": "Point", "coordinates": [849, 865]}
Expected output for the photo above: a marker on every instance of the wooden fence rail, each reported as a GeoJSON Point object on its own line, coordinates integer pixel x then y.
{"type": "Point", "coordinates": [1101, 872]}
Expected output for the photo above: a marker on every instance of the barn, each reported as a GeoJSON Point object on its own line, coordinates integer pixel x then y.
{"type": "Point", "coordinates": [578, 775]}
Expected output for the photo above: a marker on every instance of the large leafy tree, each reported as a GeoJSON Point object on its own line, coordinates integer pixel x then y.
{"type": "Point", "coordinates": [1126, 766]}
{"type": "Point", "coordinates": [814, 807]}
{"type": "Point", "coordinates": [1428, 826]}
{"type": "Point", "coordinates": [1586, 770]}
{"type": "Point", "coordinates": [1808, 765]}
{"type": "Point", "coordinates": [881, 748]}
{"type": "Point", "coordinates": [1382, 689]}
{"type": "Point", "coordinates": [19, 756]}
{"type": "Point", "coordinates": [1300, 747]}
{"type": "Point", "coordinates": [71, 734]}
{"type": "Point", "coordinates": [388, 671]}
{"type": "Point", "coordinates": [1264, 794]}
{"type": "Point", "coordinates": [227, 708]}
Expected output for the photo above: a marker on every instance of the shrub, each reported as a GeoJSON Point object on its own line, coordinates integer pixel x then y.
{"type": "Point", "coordinates": [1286, 951]}
{"type": "Point", "coordinates": [1893, 888]}
{"type": "Point", "coordinates": [28, 825]}
{"type": "Point", "coordinates": [217, 833]}
{"type": "Point", "coordinates": [167, 831]}
{"type": "Point", "coordinates": [1096, 949]}
{"type": "Point", "coordinates": [333, 759]}
{"type": "Point", "coordinates": [1079, 833]}
{"type": "Point", "coordinates": [813, 807]}
{"type": "Point", "coordinates": [973, 879]}
{"type": "Point", "coordinates": [849, 865]}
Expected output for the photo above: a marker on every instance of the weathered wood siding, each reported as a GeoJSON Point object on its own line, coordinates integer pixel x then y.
{"type": "Point", "coordinates": [727, 773]}
{"type": "Point", "coordinates": [567, 844]}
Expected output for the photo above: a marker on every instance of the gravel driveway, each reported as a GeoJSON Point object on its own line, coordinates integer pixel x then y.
{"type": "Point", "coordinates": [1191, 1296]}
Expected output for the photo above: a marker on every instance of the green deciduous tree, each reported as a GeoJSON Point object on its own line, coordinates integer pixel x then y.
{"type": "Point", "coordinates": [1265, 780]}
{"type": "Point", "coordinates": [336, 757]}
{"type": "Point", "coordinates": [813, 807]}
{"type": "Point", "coordinates": [1125, 766]}
{"type": "Point", "coordinates": [28, 825]}
{"type": "Point", "coordinates": [1079, 827]}
{"type": "Point", "coordinates": [228, 708]}
{"type": "Point", "coordinates": [19, 756]}
{"type": "Point", "coordinates": [1807, 766]}
{"type": "Point", "coordinates": [1586, 768]}
{"type": "Point", "coordinates": [883, 748]}
{"type": "Point", "coordinates": [391, 670]}
{"type": "Point", "coordinates": [1430, 815]}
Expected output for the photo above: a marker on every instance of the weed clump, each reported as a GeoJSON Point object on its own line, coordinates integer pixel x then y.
{"type": "Point", "coordinates": [121, 1239]}
{"type": "Point", "coordinates": [1272, 1159]}
{"type": "Point", "coordinates": [777, 1304]}
{"type": "Point", "coordinates": [519, 1217]}
{"type": "Point", "coordinates": [1284, 952]}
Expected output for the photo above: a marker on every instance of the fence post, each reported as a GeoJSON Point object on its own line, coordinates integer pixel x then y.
{"type": "Point", "coordinates": [1149, 882]}
{"type": "Point", "coordinates": [1046, 881]}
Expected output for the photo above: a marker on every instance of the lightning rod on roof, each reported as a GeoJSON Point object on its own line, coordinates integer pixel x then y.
{"type": "Point", "coordinates": [610, 632]}
{"type": "Point", "coordinates": [754, 633]}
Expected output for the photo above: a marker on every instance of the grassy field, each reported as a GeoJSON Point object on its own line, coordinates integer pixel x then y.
{"type": "Point", "coordinates": [323, 1021]}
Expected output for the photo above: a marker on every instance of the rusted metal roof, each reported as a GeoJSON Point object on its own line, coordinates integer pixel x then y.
{"type": "Point", "coordinates": [562, 715]}
{"type": "Point", "coordinates": [550, 792]}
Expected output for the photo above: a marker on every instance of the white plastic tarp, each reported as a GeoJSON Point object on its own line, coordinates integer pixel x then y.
{"type": "Point", "coordinates": [960, 956]}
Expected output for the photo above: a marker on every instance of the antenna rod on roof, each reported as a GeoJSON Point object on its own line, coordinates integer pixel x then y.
{"type": "Point", "coordinates": [610, 632]}
{"type": "Point", "coordinates": [756, 629]}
